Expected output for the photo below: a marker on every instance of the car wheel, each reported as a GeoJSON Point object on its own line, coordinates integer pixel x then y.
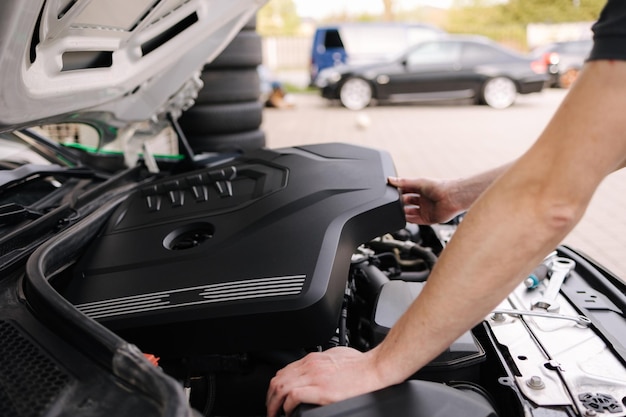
{"type": "Point", "coordinates": [227, 114]}
{"type": "Point", "coordinates": [568, 77]}
{"type": "Point", "coordinates": [499, 92]}
{"type": "Point", "coordinates": [355, 93]}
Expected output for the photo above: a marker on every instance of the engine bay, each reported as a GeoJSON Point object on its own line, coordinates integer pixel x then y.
{"type": "Point", "coordinates": [228, 272]}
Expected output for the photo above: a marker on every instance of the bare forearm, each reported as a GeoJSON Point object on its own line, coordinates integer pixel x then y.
{"type": "Point", "coordinates": [467, 190]}
{"type": "Point", "coordinates": [474, 274]}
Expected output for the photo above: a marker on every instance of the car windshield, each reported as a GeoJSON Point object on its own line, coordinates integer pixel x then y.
{"type": "Point", "coordinates": [432, 53]}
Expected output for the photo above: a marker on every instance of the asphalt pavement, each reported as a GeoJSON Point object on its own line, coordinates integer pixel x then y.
{"type": "Point", "coordinates": [453, 139]}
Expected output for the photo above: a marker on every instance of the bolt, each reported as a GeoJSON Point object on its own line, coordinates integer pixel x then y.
{"type": "Point", "coordinates": [590, 413]}
{"type": "Point", "coordinates": [498, 317]}
{"type": "Point", "coordinates": [535, 382]}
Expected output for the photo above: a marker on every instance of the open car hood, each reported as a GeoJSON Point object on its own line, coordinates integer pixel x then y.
{"type": "Point", "coordinates": [108, 62]}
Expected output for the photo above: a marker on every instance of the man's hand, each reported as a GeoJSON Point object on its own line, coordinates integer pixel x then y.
{"type": "Point", "coordinates": [426, 201]}
{"type": "Point", "coordinates": [322, 378]}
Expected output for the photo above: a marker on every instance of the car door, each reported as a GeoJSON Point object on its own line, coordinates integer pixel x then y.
{"type": "Point", "coordinates": [480, 61]}
{"type": "Point", "coordinates": [431, 67]}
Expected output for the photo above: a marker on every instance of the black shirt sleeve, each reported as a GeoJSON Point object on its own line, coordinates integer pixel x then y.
{"type": "Point", "coordinates": [609, 32]}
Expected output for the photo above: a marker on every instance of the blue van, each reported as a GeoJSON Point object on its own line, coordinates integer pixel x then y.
{"type": "Point", "coordinates": [364, 42]}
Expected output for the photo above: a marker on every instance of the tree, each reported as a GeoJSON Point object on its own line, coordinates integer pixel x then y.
{"type": "Point", "coordinates": [278, 17]}
{"type": "Point", "coordinates": [507, 22]}
{"type": "Point", "coordinates": [541, 11]}
{"type": "Point", "coordinates": [529, 11]}
{"type": "Point", "coordinates": [388, 10]}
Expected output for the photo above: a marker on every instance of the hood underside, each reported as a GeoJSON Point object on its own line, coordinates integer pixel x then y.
{"type": "Point", "coordinates": [114, 60]}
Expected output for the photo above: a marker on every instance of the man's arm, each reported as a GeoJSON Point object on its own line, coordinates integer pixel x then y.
{"type": "Point", "coordinates": [522, 216]}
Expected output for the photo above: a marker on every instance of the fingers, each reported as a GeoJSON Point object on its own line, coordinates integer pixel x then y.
{"type": "Point", "coordinates": [288, 388]}
{"type": "Point", "coordinates": [411, 199]}
{"type": "Point", "coordinates": [276, 397]}
{"type": "Point", "coordinates": [281, 386]}
{"type": "Point", "coordinates": [303, 395]}
{"type": "Point", "coordinates": [405, 185]}
{"type": "Point", "coordinates": [394, 181]}
{"type": "Point", "coordinates": [414, 215]}
{"type": "Point", "coordinates": [408, 188]}
{"type": "Point", "coordinates": [397, 182]}
{"type": "Point", "coordinates": [319, 378]}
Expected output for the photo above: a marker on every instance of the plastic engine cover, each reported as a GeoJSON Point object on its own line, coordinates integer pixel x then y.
{"type": "Point", "coordinates": [252, 254]}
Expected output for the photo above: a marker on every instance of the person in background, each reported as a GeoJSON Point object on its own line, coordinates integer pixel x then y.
{"type": "Point", "coordinates": [516, 215]}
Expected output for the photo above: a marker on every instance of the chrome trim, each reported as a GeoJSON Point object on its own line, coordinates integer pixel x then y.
{"type": "Point", "coordinates": [205, 294]}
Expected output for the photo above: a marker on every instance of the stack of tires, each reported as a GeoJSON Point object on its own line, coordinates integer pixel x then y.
{"type": "Point", "coordinates": [227, 114]}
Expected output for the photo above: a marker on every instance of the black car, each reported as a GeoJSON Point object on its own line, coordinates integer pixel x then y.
{"type": "Point", "coordinates": [564, 60]}
{"type": "Point", "coordinates": [454, 67]}
{"type": "Point", "coordinates": [139, 284]}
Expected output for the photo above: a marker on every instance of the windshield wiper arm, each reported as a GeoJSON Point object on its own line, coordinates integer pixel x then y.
{"type": "Point", "coordinates": [49, 149]}
{"type": "Point", "coordinates": [11, 213]}
{"type": "Point", "coordinates": [10, 177]}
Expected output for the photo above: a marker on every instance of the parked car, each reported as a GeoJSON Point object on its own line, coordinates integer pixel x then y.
{"type": "Point", "coordinates": [364, 42]}
{"type": "Point", "coordinates": [564, 60]}
{"type": "Point", "coordinates": [453, 67]}
{"type": "Point", "coordinates": [138, 284]}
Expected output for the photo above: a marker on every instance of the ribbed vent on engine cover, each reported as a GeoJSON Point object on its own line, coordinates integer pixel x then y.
{"type": "Point", "coordinates": [250, 254]}
{"type": "Point", "coordinates": [29, 380]}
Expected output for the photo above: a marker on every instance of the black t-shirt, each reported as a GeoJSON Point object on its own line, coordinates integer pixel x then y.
{"type": "Point", "coordinates": [610, 32]}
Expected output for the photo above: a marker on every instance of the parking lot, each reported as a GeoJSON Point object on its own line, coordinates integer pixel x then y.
{"type": "Point", "coordinates": [448, 140]}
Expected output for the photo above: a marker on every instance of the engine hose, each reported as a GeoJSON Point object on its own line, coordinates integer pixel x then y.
{"type": "Point", "coordinates": [343, 326]}
{"type": "Point", "coordinates": [210, 401]}
{"type": "Point", "coordinates": [374, 277]}
{"type": "Point", "coordinates": [413, 248]}
{"type": "Point", "coordinates": [407, 263]}
{"type": "Point", "coordinates": [424, 254]}
{"type": "Point", "coordinates": [414, 276]}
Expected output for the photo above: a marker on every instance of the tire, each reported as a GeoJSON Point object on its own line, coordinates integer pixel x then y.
{"type": "Point", "coordinates": [222, 118]}
{"type": "Point", "coordinates": [251, 24]}
{"type": "Point", "coordinates": [355, 93]}
{"type": "Point", "coordinates": [233, 142]}
{"type": "Point", "coordinates": [245, 50]}
{"type": "Point", "coordinates": [227, 114]}
{"type": "Point", "coordinates": [227, 86]}
{"type": "Point", "coordinates": [499, 92]}
{"type": "Point", "coordinates": [567, 78]}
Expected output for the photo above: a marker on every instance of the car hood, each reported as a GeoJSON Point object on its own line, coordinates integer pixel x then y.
{"type": "Point", "coordinates": [108, 62]}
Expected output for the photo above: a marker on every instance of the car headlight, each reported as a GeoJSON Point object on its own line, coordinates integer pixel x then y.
{"type": "Point", "coordinates": [327, 77]}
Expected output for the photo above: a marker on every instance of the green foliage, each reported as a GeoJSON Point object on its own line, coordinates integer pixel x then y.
{"type": "Point", "coordinates": [278, 18]}
{"type": "Point", "coordinates": [553, 11]}
{"type": "Point", "coordinates": [506, 22]}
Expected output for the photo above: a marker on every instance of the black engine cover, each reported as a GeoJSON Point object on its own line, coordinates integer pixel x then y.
{"type": "Point", "coordinates": [252, 254]}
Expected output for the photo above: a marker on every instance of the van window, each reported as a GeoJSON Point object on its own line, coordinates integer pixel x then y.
{"type": "Point", "coordinates": [332, 39]}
